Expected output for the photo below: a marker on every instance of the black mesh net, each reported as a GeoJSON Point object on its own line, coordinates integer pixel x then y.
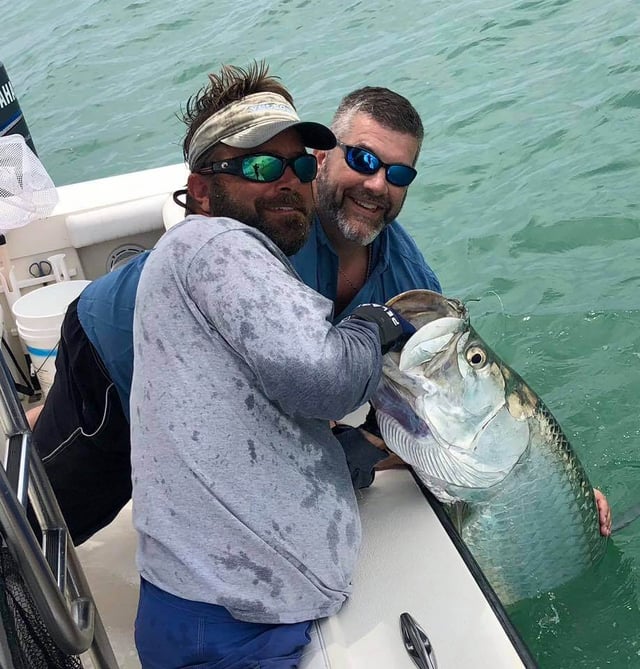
{"type": "Point", "coordinates": [31, 644]}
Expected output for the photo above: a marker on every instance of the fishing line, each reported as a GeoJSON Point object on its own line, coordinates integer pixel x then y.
{"type": "Point", "coordinates": [503, 331]}
{"type": "Point", "coordinates": [502, 313]}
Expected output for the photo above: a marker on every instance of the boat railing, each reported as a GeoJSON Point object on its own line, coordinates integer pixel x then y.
{"type": "Point", "coordinates": [49, 566]}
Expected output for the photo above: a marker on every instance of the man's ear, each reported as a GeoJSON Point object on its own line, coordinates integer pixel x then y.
{"type": "Point", "coordinates": [320, 156]}
{"type": "Point", "coordinates": [198, 188]}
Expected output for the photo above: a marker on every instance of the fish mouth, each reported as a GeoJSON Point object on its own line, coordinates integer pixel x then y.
{"type": "Point", "coordinates": [430, 340]}
{"type": "Point", "coordinates": [422, 306]}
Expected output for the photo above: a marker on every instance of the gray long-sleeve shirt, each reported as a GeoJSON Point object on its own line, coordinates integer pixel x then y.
{"type": "Point", "coordinates": [242, 496]}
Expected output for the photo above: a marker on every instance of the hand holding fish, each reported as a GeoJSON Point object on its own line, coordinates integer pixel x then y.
{"type": "Point", "coordinates": [394, 330]}
{"type": "Point", "coordinates": [604, 512]}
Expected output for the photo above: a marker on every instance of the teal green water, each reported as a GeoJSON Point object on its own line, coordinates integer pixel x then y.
{"type": "Point", "coordinates": [528, 195]}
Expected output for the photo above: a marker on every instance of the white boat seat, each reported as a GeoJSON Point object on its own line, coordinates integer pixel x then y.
{"type": "Point", "coordinates": [172, 213]}
{"type": "Point", "coordinates": [119, 220]}
{"type": "Point", "coordinates": [91, 217]}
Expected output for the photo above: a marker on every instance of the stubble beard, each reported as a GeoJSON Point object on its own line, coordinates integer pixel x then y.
{"type": "Point", "coordinates": [289, 233]}
{"type": "Point", "coordinates": [355, 229]}
{"type": "Point", "coordinates": [355, 233]}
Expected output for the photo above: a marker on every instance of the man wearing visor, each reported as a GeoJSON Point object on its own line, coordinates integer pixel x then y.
{"type": "Point", "coordinates": [243, 502]}
{"type": "Point", "coordinates": [247, 520]}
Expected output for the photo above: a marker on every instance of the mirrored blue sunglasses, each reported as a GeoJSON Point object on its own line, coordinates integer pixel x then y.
{"type": "Point", "coordinates": [265, 167]}
{"type": "Point", "coordinates": [366, 162]}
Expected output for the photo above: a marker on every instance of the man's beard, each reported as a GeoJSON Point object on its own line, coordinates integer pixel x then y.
{"type": "Point", "coordinates": [362, 231]}
{"type": "Point", "coordinates": [289, 233]}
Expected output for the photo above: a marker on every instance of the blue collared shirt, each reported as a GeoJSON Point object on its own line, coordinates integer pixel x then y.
{"type": "Point", "coordinates": [105, 311]}
{"type": "Point", "coordinates": [397, 266]}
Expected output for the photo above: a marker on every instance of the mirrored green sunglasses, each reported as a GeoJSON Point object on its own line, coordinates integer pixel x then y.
{"type": "Point", "coordinates": [265, 167]}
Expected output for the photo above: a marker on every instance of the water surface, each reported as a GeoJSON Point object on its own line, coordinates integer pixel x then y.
{"type": "Point", "coordinates": [527, 197]}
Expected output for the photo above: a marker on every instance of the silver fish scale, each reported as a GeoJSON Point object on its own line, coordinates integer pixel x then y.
{"type": "Point", "coordinates": [541, 528]}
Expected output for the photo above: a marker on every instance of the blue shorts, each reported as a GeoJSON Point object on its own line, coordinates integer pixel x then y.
{"type": "Point", "coordinates": [174, 633]}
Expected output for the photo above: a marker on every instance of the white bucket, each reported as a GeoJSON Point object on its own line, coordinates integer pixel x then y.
{"type": "Point", "coordinates": [39, 315]}
{"type": "Point", "coordinates": [35, 332]}
{"type": "Point", "coordinates": [45, 307]}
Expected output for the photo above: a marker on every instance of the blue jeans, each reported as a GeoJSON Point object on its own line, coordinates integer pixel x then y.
{"type": "Point", "coordinates": [176, 633]}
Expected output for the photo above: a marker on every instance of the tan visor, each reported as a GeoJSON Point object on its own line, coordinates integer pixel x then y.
{"type": "Point", "coordinates": [252, 121]}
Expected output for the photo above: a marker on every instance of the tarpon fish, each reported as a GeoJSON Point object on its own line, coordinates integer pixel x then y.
{"type": "Point", "coordinates": [485, 444]}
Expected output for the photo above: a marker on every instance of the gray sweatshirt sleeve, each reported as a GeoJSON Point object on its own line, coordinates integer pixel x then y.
{"type": "Point", "coordinates": [252, 298]}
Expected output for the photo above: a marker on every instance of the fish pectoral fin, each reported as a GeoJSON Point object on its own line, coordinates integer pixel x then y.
{"type": "Point", "coordinates": [458, 511]}
{"type": "Point", "coordinates": [626, 518]}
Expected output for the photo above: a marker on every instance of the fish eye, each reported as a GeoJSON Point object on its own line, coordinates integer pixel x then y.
{"type": "Point", "coordinates": [476, 356]}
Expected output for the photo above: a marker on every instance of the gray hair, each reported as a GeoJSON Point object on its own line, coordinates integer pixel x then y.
{"type": "Point", "coordinates": [389, 109]}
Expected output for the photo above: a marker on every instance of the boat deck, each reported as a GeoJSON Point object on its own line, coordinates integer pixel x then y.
{"type": "Point", "coordinates": [407, 564]}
